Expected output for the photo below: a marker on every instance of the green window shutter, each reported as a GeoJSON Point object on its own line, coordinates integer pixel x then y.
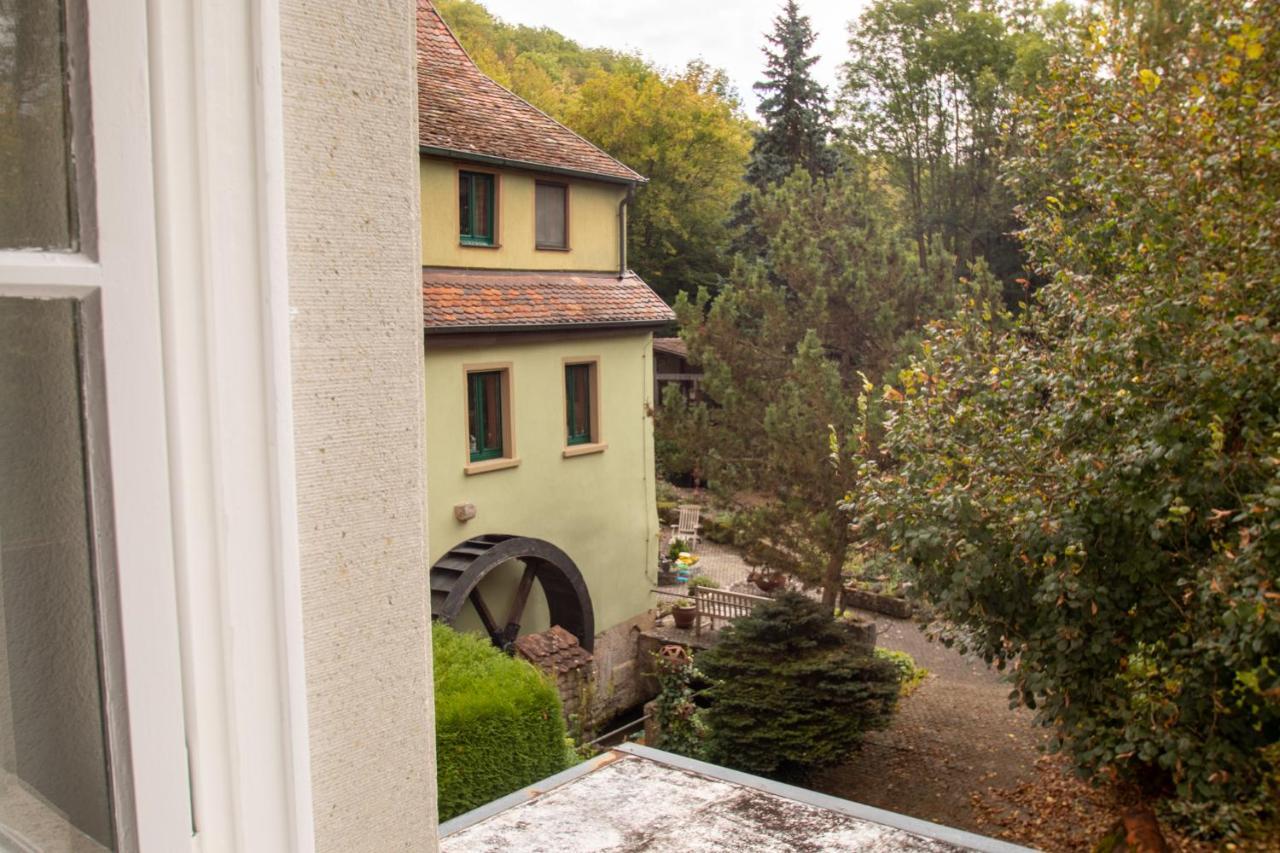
{"type": "Point", "coordinates": [484, 415]}
{"type": "Point", "coordinates": [577, 382]}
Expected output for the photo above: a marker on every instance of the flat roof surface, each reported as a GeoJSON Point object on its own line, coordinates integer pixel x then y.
{"type": "Point", "coordinates": [634, 798]}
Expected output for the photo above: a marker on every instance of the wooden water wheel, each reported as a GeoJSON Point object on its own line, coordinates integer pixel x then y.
{"type": "Point", "coordinates": [456, 576]}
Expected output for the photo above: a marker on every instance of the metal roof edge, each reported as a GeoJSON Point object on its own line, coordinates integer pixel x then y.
{"type": "Point", "coordinates": [528, 165]}
{"type": "Point", "coordinates": [936, 831]}
{"type": "Point", "coordinates": [515, 798]}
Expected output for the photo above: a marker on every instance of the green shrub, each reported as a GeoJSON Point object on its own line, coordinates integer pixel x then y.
{"type": "Point", "coordinates": [667, 512]}
{"type": "Point", "coordinates": [703, 581]}
{"type": "Point", "coordinates": [681, 727]}
{"type": "Point", "coordinates": [721, 529]}
{"type": "Point", "coordinates": [909, 675]}
{"type": "Point", "coordinates": [676, 547]}
{"type": "Point", "coordinates": [498, 722]}
{"type": "Point", "coordinates": [790, 693]}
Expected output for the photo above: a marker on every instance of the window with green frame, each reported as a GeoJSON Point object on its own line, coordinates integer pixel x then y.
{"type": "Point", "coordinates": [577, 389]}
{"type": "Point", "coordinates": [484, 415]}
{"type": "Point", "coordinates": [475, 208]}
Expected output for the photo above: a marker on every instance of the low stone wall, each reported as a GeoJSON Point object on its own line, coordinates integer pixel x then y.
{"type": "Point", "coordinates": [889, 605]}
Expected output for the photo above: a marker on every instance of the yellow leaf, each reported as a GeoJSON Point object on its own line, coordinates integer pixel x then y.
{"type": "Point", "coordinates": [1149, 79]}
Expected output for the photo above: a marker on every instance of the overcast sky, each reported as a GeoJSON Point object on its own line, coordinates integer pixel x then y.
{"type": "Point", "coordinates": [727, 34]}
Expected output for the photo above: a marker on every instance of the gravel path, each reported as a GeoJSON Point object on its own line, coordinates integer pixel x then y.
{"type": "Point", "coordinates": [954, 737]}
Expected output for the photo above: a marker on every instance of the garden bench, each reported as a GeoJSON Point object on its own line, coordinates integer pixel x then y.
{"type": "Point", "coordinates": [722, 604]}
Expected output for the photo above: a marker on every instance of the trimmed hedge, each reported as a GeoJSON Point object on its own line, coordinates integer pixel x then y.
{"type": "Point", "coordinates": [499, 726]}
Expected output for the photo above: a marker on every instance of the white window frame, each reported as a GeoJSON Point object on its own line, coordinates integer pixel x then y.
{"type": "Point", "coordinates": [182, 262]}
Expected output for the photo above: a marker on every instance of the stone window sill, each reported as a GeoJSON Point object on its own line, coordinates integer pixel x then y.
{"type": "Point", "coordinates": [585, 449]}
{"type": "Point", "coordinates": [491, 465]}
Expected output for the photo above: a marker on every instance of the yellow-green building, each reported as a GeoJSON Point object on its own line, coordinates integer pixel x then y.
{"type": "Point", "coordinates": [539, 372]}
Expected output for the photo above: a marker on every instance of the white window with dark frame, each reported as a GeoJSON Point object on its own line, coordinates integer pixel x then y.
{"type": "Point", "coordinates": [551, 215]}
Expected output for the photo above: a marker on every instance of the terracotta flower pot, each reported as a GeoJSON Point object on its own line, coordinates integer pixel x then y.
{"type": "Point", "coordinates": [768, 581]}
{"type": "Point", "coordinates": [684, 616]}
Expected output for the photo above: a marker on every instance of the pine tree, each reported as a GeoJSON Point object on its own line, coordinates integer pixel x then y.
{"type": "Point", "coordinates": [797, 119]}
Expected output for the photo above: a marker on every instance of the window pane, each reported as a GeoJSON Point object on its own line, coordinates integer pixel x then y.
{"type": "Point", "coordinates": [464, 205]}
{"type": "Point", "coordinates": [579, 396]}
{"type": "Point", "coordinates": [35, 191]}
{"type": "Point", "coordinates": [492, 411]}
{"type": "Point", "coordinates": [53, 758]}
{"type": "Point", "coordinates": [550, 227]}
{"type": "Point", "coordinates": [484, 207]}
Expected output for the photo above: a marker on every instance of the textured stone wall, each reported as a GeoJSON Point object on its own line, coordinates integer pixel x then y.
{"type": "Point", "coordinates": [353, 223]}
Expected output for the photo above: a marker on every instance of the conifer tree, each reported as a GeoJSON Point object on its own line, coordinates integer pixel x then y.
{"type": "Point", "coordinates": [791, 692]}
{"type": "Point", "coordinates": [797, 118]}
{"type": "Point", "coordinates": [797, 124]}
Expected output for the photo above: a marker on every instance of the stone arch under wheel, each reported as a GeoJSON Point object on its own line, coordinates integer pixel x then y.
{"type": "Point", "coordinates": [456, 576]}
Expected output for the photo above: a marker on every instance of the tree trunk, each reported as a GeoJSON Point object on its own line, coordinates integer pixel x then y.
{"type": "Point", "coordinates": [831, 578]}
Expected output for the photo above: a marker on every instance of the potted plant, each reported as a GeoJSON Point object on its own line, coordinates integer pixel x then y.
{"type": "Point", "coordinates": [703, 581]}
{"type": "Point", "coordinates": [684, 613]}
{"type": "Point", "coordinates": [666, 577]}
{"type": "Point", "coordinates": [676, 547]}
{"type": "Point", "coordinates": [767, 580]}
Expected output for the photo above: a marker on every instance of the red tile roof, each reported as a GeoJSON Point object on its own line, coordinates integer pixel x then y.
{"type": "Point", "coordinates": [671, 346]}
{"type": "Point", "coordinates": [461, 110]}
{"type": "Point", "coordinates": [456, 300]}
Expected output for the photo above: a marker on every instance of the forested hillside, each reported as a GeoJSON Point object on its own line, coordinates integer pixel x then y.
{"type": "Point", "coordinates": [686, 132]}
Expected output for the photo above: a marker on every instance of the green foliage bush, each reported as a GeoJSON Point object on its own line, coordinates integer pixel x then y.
{"type": "Point", "coordinates": [498, 722]}
{"type": "Point", "coordinates": [703, 581]}
{"type": "Point", "coordinates": [1091, 490]}
{"type": "Point", "coordinates": [909, 675]}
{"type": "Point", "coordinates": [789, 693]}
{"type": "Point", "coordinates": [667, 512]}
{"type": "Point", "coordinates": [721, 528]}
{"type": "Point", "coordinates": [681, 724]}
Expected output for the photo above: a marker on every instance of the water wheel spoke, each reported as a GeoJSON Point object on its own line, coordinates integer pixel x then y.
{"type": "Point", "coordinates": [516, 612]}
{"type": "Point", "coordinates": [486, 615]}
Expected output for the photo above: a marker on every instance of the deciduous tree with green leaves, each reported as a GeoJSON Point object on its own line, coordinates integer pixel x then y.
{"type": "Point", "coordinates": [928, 90]}
{"type": "Point", "coordinates": [1090, 494]}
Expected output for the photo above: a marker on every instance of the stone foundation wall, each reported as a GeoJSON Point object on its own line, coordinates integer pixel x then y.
{"type": "Point", "coordinates": [618, 683]}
